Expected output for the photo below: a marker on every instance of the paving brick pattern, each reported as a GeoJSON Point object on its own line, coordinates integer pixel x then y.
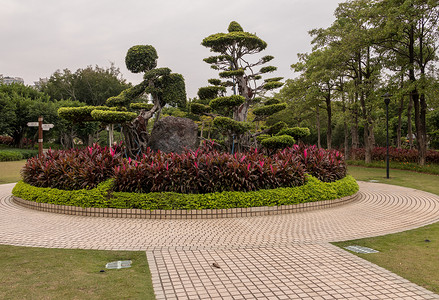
{"type": "Point", "coordinates": [268, 257]}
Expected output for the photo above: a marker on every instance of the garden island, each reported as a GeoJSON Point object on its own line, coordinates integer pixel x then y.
{"type": "Point", "coordinates": [231, 159]}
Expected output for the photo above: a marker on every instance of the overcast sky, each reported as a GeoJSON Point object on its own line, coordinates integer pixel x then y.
{"type": "Point", "coordinates": [40, 37]}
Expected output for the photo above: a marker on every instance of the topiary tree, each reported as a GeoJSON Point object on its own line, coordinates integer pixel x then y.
{"type": "Point", "coordinates": [236, 70]}
{"type": "Point", "coordinates": [240, 74]}
{"type": "Point", "coordinates": [130, 107]}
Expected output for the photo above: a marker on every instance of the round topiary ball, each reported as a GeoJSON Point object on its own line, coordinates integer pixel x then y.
{"type": "Point", "coordinates": [141, 58]}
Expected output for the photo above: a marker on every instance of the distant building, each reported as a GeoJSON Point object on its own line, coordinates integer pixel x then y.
{"type": "Point", "coordinates": [11, 80]}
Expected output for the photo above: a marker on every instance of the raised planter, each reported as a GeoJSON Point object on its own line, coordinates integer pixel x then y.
{"type": "Point", "coordinates": [184, 214]}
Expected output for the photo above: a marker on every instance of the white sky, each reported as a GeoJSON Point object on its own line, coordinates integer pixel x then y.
{"type": "Point", "coordinates": [39, 37]}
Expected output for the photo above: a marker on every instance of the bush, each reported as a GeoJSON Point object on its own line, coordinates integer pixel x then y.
{"type": "Point", "coordinates": [295, 132]}
{"type": "Point", "coordinates": [72, 169]}
{"type": "Point", "coordinates": [103, 196]}
{"type": "Point", "coordinates": [193, 172]}
{"type": "Point", "coordinates": [278, 142]}
{"type": "Point", "coordinates": [14, 154]}
{"type": "Point", "coordinates": [207, 171]}
{"type": "Point", "coordinates": [6, 155]}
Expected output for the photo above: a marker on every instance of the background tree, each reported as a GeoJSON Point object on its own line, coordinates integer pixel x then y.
{"type": "Point", "coordinates": [92, 86]}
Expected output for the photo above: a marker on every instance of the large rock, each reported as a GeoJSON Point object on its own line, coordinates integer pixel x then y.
{"type": "Point", "coordinates": [173, 134]}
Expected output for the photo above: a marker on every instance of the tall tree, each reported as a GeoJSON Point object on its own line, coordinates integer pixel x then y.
{"type": "Point", "coordinates": [408, 33]}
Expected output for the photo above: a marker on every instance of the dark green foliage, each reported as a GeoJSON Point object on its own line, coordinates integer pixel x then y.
{"type": "Point", "coordinates": [227, 102]}
{"type": "Point", "coordinates": [262, 137]}
{"type": "Point", "coordinates": [234, 27]}
{"type": "Point", "coordinates": [210, 92]}
{"type": "Point", "coordinates": [199, 109]}
{"type": "Point", "coordinates": [103, 196]}
{"type": "Point", "coordinates": [273, 79]}
{"type": "Point", "coordinates": [145, 106]}
{"type": "Point", "coordinates": [267, 58]}
{"type": "Point", "coordinates": [278, 142]}
{"type": "Point", "coordinates": [295, 132]}
{"type": "Point", "coordinates": [173, 90]}
{"type": "Point", "coordinates": [141, 58]}
{"type": "Point", "coordinates": [231, 74]}
{"type": "Point", "coordinates": [277, 127]}
{"type": "Point", "coordinates": [226, 124]}
{"type": "Point", "coordinates": [218, 58]}
{"type": "Point", "coordinates": [155, 73]}
{"type": "Point", "coordinates": [272, 101]}
{"type": "Point", "coordinates": [92, 86]}
{"type": "Point", "coordinates": [79, 114]}
{"type": "Point", "coordinates": [271, 85]}
{"type": "Point", "coordinates": [268, 69]}
{"type": "Point", "coordinates": [214, 81]}
{"type": "Point", "coordinates": [112, 117]}
{"type": "Point", "coordinates": [220, 41]}
{"type": "Point", "coordinates": [268, 110]}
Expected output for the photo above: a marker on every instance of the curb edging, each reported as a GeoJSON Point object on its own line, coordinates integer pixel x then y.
{"type": "Point", "coordinates": [132, 213]}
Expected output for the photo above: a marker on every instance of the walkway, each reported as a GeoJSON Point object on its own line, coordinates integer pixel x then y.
{"type": "Point", "coordinates": [270, 257]}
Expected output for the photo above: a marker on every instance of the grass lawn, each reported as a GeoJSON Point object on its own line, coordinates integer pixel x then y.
{"type": "Point", "coordinates": [39, 273]}
{"type": "Point", "coordinates": [407, 253]}
{"type": "Point", "coordinates": [10, 171]}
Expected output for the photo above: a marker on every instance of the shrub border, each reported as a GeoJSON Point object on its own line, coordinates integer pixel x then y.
{"type": "Point", "coordinates": [114, 204]}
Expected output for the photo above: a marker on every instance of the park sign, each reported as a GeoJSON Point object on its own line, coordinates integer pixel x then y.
{"type": "Point", "coordinates": [47, 127]}
{"type": "Point", "coordinates": [41, 127]}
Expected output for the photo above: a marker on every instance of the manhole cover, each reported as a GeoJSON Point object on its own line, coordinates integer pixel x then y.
{"type": "Point", "coordinates": [360, 249]}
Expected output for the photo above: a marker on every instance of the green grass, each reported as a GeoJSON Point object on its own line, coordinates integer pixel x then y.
{"type": "Point", "coordinates": [10, 171]}
{"type": "Point", "coordinates": [39, 273]}
{"type": "Point", "coordinates": [420, 181]}
{"type": "Point", "coordinates": [407, 253]}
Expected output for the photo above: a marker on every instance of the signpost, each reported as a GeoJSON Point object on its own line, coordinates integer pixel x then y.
{"type": "Point", "coordinates": [41, 127]}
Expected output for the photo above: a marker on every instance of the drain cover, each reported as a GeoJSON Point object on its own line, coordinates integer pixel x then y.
{"type": "Point", "coordinates": [360, 249]}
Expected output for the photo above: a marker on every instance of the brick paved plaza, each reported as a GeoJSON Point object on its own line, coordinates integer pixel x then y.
{"type": "Point", "coordinates": [268, 257]}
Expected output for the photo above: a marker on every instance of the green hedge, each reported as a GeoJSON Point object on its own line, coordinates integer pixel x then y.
{"type": "Point", "coordinates": [102, 196]}
{"type": "Point", "coordinates": [16, 154]}
{"type": "Point", "coordinates": [278, 142]}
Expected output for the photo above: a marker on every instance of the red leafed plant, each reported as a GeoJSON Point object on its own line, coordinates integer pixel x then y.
{"type": "Point", "coordinates": [204, 170]}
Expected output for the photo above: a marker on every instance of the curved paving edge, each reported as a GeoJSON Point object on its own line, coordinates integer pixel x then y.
{"type": "Point", "coordinates": [184, 214]}
{"type": "Point", "coordinates": [379, 209]}
{"type": "Point", "coordinates": [264, 257]}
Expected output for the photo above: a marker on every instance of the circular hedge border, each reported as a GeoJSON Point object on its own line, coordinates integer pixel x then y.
{"type": "Point", "coordinates": [103, 197]}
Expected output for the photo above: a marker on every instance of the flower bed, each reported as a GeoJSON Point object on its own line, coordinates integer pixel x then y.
{"type": "Point", "coordinates": [192, 172]}
{"type": "Point", "coordinates": [203, 179]}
